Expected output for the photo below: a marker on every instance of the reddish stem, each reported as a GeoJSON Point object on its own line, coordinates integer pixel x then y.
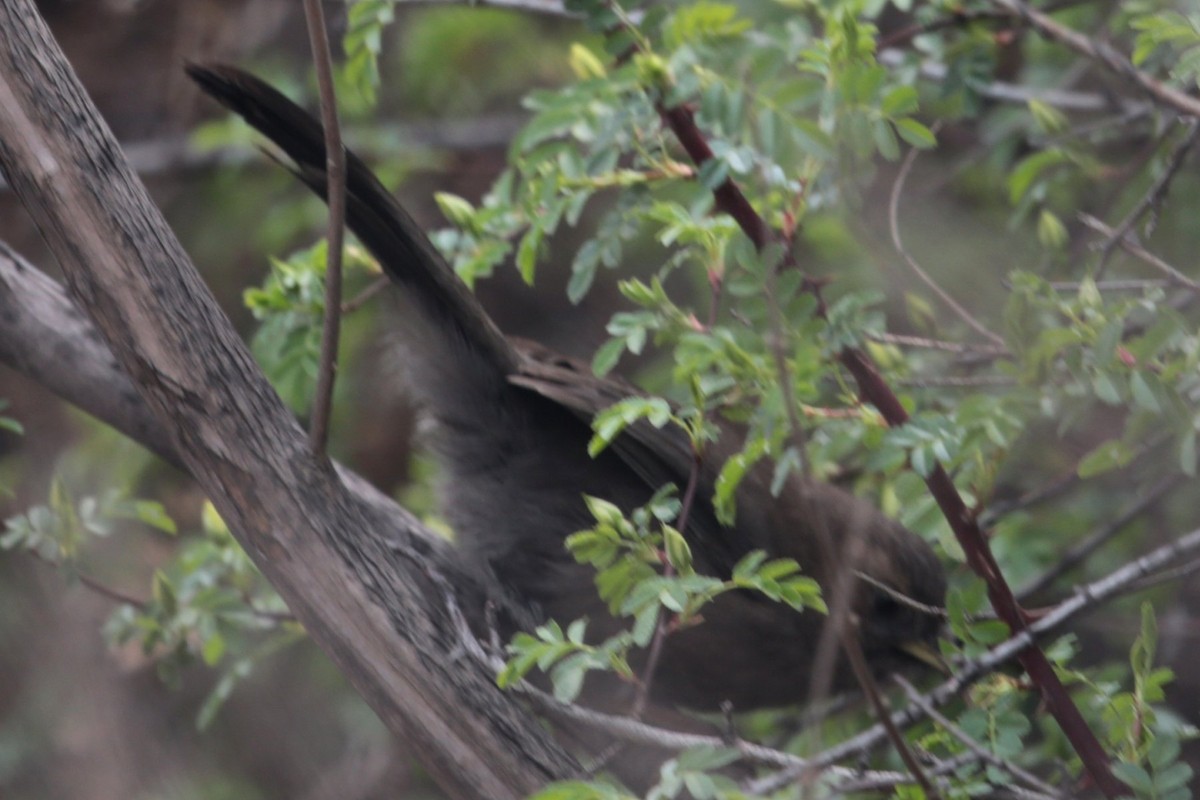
{"type": "Point", "coordinates": [682, 121]}
{"type": "Point", "coordinates": [875, 390]}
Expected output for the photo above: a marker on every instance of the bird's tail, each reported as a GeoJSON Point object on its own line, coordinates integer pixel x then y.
{"type": "Point", "coordinates": [456, 342]}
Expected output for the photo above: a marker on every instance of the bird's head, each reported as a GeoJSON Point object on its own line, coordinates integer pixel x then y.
{"type": "Point", "coordinates": [899, 609]}
{"type": "Point", "coordinates": [898, 585]}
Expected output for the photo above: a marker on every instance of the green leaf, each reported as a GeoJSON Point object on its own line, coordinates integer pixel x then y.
{"type": "Point", "coordinates": [899, 101]}
{"type": "Point", "coordinates": [1143, 395]}
{"type": "Point", "coordinates": [1134, 776]}
{"type": "Point", "coordinates": [1187, 453]}
{"type": "Point", "coordinates": [1163, 750]}
{"type": "Point", "coordinates": [576, 630]}
{"type": "Point", "coordinates": [1104, 457]}
{"type": "Point", "coordinates": [644, 624]}
{"type": "Point", "coordinates": [579, 790]}
{"type": "Point", "coordinates": [456, 209]}
{"type": "Point", "coordinates": [1105, 389]}
{"type": "Point", "coordinates": [610, 422]}
{"type": "Point", "coordinates": [1050, 231]}
{"type": "Point", "coordinates": [568, 678]}
{"type": "Point", "coordinates": [678, 552]}
{"type": "Point", "coordinates": [584, 62]}
{"type": "Point", "coordinates": [583, 273]}
{"type": "Point", "coordinates": [1107, 341]}
{"type": "Point", "coordinates": [990, 632]}
{"type": "Point", "coordinates": [885, 140]}
{"type": "Point", "coordinates": [215, 699]}
{"type": "Point", "coordinates": [607, 356]}
{"type": "Point", "coordinates": [748, 565]}
{"type": "Point", "coordinates": [212, 649]}
{"type": "Point", "coordinates": [1029, 169]}
{"type": "Point", "coordinates": [1173, 777]}
{"type": "Point", "coordinates": [730, 477]}
{"type": "Point", "coordinates": [1048, 118]}
{"type": "Point", "coordinates": [527, 253]}
{"type": "Point", "coordinates": [221, 692]}
{"type": "Point", "coordinates": [603, 511]}
{"type": "Point", "coordinates": [915, 133]}
{"type": "Point", "coordinates": [155, 515]}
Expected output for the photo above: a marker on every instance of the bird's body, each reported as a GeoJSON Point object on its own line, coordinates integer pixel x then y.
{"type": "Point", "coordinates": [513, 423]}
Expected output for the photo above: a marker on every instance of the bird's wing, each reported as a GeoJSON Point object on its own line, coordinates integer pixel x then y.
{"type": "Point", "coordinates": [657, 455]}
{"type": "Point", "coordinates": [478, 353]}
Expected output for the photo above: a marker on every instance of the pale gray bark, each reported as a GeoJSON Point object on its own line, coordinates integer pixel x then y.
{"type": "Point", "coordinates": [352, 567]}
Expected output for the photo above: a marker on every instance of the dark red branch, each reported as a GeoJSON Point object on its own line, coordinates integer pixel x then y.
{"type": "Point", "coordinates": [682, 121]}
{"type": "Point", "coordinates": [874, 389]}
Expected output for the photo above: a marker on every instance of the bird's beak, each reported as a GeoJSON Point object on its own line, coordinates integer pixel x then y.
{"type": "Point", "coordinates": [926, 654]}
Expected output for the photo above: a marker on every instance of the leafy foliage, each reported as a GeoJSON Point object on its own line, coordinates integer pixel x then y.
{"type": "Point", "coordinates": [798, 111]}
{"type": "Point", "coordinates": [56, 531]}
{"type": "Point", "coordinates": [807, 106]}
{"type": "Point", "coordinates": [291, 305]}
{"type": "Point", "coordinates": [625, 552]}
{"type": "Point", "coordinates": [209, 605]}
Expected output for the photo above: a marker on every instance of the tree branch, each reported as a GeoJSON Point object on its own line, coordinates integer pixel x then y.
{"type": "Point", "coordinates": [1131, 576]}
{"type": "Point", "coordinates": [1104, 55]}
{"type": "Point", "coordinates": [335, 192]}
{"type": "Point", "coordinates": [963, 521]}
{"type": "Point", "coordinates": [325, 549]}
{"type": "Point", "coordinates": [898, 242]}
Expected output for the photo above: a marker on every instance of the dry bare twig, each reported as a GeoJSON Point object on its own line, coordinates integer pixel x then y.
{"type": "Point", "coordinates": [1155, 195]}
{"type": "Point", "coordinates": [335, 196]}
{"type": "Point", "coordinates": [1121, 581]}
{"type": "Point", "coordinates": [1088, 545]}
{"type": "Point", "coordinates": [987, 756]}
{"type": "Point", "coordinates": [1142, 254]}
{"type": "Point", "coordinates": [1104, 55]}
{"type": "Point", "coordinates": [898, 242]}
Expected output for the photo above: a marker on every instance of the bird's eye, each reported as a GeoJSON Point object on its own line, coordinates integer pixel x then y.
{"type": "Point", "coordinates": [885, 607]}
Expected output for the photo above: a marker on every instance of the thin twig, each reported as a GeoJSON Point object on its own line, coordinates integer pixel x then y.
{"type": "Point", "coordinates": [1129, 285]}
{"type": "Point", "coordinates": [335, 171]}
{"type": "Point", "coordinates": [900, 597]}
{"type": "Point", "coordinates": [958, 733]}
{"type": "Point", "coordinates": [553, 8]}
{"type": "Point", "coordinates": [958, 17]}
{"type": "Point", "coordinates": [117, 596]}
{"type": "Point", "coordinates": [636, 732]}
{"type": "Point", "coordinates": [1087, 597]}
{"type": "Point", "coordinates": [1004, 92]}
{"type": "Point", "coordinates": [1164, 576]}
{"type": "Point", "coordinates": [918, 270]}
{"type": "Point", "coordinates": [858, 663]}
{"type": "Point", "coordinates": [172, 155]}
{"type": "Point", "coordinates": [359, 300]}
{"type": "Point", "coordinates": [1134, 249]}
{"type": "Point", "coordinates": [958, 381]}
{"type": "Point", "coordinates": [1102, 54]}
{"type": "Point", "coordinates": [1120, 123]}
{"type": "Point", "coordinates": [963, 521]}
{"type": "Point", "coordinates": [1153, 198]}
{"type": "Point", "coordinates": [778, 345]}
{"type": "Point", "coordinates": [1063, 482]}
{"type": "Point", "coordinates": [661, 624]}
{"type": "Point", "coordinates": [1081, 550]}
{"type": "Point", "coordinates": [904, 340]}
{"type": "Point", "coordinates": [715, 284]}
{"type": "Point", "coordinates": [876, 783]}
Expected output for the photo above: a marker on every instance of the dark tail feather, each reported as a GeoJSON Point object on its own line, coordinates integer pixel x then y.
{"type": "Point", "coordinates": [380, 223]}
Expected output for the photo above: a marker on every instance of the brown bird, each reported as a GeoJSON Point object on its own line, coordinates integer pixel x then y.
{"type": "Point", "coordinates": [512, 427]}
